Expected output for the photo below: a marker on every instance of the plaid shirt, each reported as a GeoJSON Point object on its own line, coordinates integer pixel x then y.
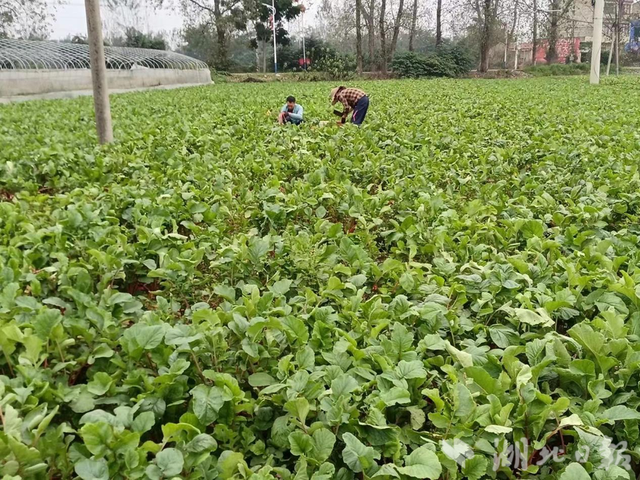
{"type": "Point", "coordinates": [348, 98]}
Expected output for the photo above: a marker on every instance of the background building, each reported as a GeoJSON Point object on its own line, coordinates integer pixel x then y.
{"type": "Point", "coordinates": [574, 33]}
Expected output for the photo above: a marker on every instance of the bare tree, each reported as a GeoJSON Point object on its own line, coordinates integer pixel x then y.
{"type": "Point", "coordinates": [368, 12]}
{"type": "Point", "coordinates": [383, 37]}
{"type": "Point", "coordinates": [486, 19]}
{"type": "Point", "coordinates": [557, 14]}
{"type": "Point", "coordinates": [224, 15]}
{"type": "Point", "coordinates": [485, 34]}
{"type": "Point", "coordinates": [534, 40]}
{"type": "Point", "coordinates": [614, 20]}
{"type": "Point", "coordinates": [26, 19]}
{"type": "Point", "coordinates": [359, 35]}
{"type": "Point", "coordinates": [414, 19]}
{"type": "Point", "coordinates": [552, 33]}
{"type": "Point", "coordinates": [513, 30]}
{"type": "Point", "coordinates": [619, 14]}
{"type": "Point", "coordinates": [396, 29]}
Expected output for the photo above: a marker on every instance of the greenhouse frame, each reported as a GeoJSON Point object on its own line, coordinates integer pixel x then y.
{"type": "Point", "coordinates": [30, 67]}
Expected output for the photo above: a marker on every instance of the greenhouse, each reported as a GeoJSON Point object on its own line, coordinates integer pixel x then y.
{"type": "Point", "coordinates": [39, 67]}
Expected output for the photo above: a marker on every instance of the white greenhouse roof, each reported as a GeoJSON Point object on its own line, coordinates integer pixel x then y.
{"type": "Point", "coordinates": [50, 55]}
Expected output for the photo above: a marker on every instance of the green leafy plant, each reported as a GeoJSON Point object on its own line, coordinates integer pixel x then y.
{"type": "Point", "coordinates": [451, 291]}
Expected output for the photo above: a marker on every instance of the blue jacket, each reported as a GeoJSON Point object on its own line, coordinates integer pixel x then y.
{"type": "Point", "coordinates": [296, 115]}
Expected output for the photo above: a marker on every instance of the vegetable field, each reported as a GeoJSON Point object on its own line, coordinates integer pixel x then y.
{"type": "Point", "coordinates": [452, 291]}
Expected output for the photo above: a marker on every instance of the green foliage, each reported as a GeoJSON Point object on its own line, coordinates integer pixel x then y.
{"type": "Point", "coordinates": [136, 39]}
{"type": "Point", "coordinates": [286, 11]}
{"type": "Point", "coordinates": [558, 69]}
{"type": "Point", "coordinates": [336, 67]}
{"type": "Point", "coordinates": [216, 297]}
{"type": "Point", "coordinates": [446, 62]}
{"type": "Point", "coordinates": [325, 62]}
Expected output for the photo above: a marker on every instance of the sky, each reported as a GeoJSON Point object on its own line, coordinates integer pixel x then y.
{"type": "Point", "coordinates": [70, 20]}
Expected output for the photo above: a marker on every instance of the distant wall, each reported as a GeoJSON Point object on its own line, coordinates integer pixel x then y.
{"type": "Point", "coordinates": [33, 82]}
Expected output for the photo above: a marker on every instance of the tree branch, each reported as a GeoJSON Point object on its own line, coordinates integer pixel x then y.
{"type": "Point", "coordinates": [204, 7]}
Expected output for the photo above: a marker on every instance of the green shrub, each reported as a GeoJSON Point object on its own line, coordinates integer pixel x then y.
{"type": "Point", "coordinates": [326, 63]}
{"type": "Point", "coordinates": [335, 66]}
{"type": "Point", "coordinates": [558, 70]}
{"type": "Point", "coordinates": [450, 62]}
{"type": "Point", "coordinates": [414, 65]}
{"type": "Point", "coordinates": [458, 58]}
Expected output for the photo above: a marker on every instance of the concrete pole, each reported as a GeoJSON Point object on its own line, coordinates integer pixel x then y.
{"type": "Point", "coordinates": [597, 42]}
{"type": "Point", "coordinates": [98, 72]}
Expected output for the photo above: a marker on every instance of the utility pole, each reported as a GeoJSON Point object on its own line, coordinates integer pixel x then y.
{"type": "Point", "coordinates": [98, 72]}
{"type": "Point", "coordinates": [596, 42]}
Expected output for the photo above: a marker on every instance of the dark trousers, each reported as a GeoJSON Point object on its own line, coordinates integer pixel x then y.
{"type": "Point", "coordinates": [360, 111]}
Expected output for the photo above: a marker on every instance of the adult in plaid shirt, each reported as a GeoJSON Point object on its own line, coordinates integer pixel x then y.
{"type": "Point", "coordinates": [351, 99]}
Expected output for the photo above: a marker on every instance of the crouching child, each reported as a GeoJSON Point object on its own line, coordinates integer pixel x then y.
{"type": "Point", "coordinates": [291, 112]}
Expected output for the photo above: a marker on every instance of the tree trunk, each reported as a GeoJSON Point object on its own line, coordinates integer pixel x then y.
{"type": "Point", "coordinates": [552, 53]}
{"type": "Point", "coordinates": [222, 48]}
{"type": "Point", "coordinates": [221, 57]}
{"type": "Point", "coordinates": [485, 40]}
{"type": "Point", "coordinates": [512, 33]}
{"type": "Point", "coordinates": [534, 42]}
{"type": "Point", "coordinates": [396, 30]}
{"type": "Point", "coordinates": [439, 23]}
{"type": "Point", "coordinates": [414, 19]}
{"type": "Point", "coordinates": [372, 40]}
{"type": "Point", "coordinates": [264, 56]}
{"type": "Point", "coordinates": [383, 38]}
{"type": "Point", "coordinates": [369, 19]}
{"type": "Point", "coordinates": [609, 59]}
{"type": "Point", "coordinates": [359, 35]}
